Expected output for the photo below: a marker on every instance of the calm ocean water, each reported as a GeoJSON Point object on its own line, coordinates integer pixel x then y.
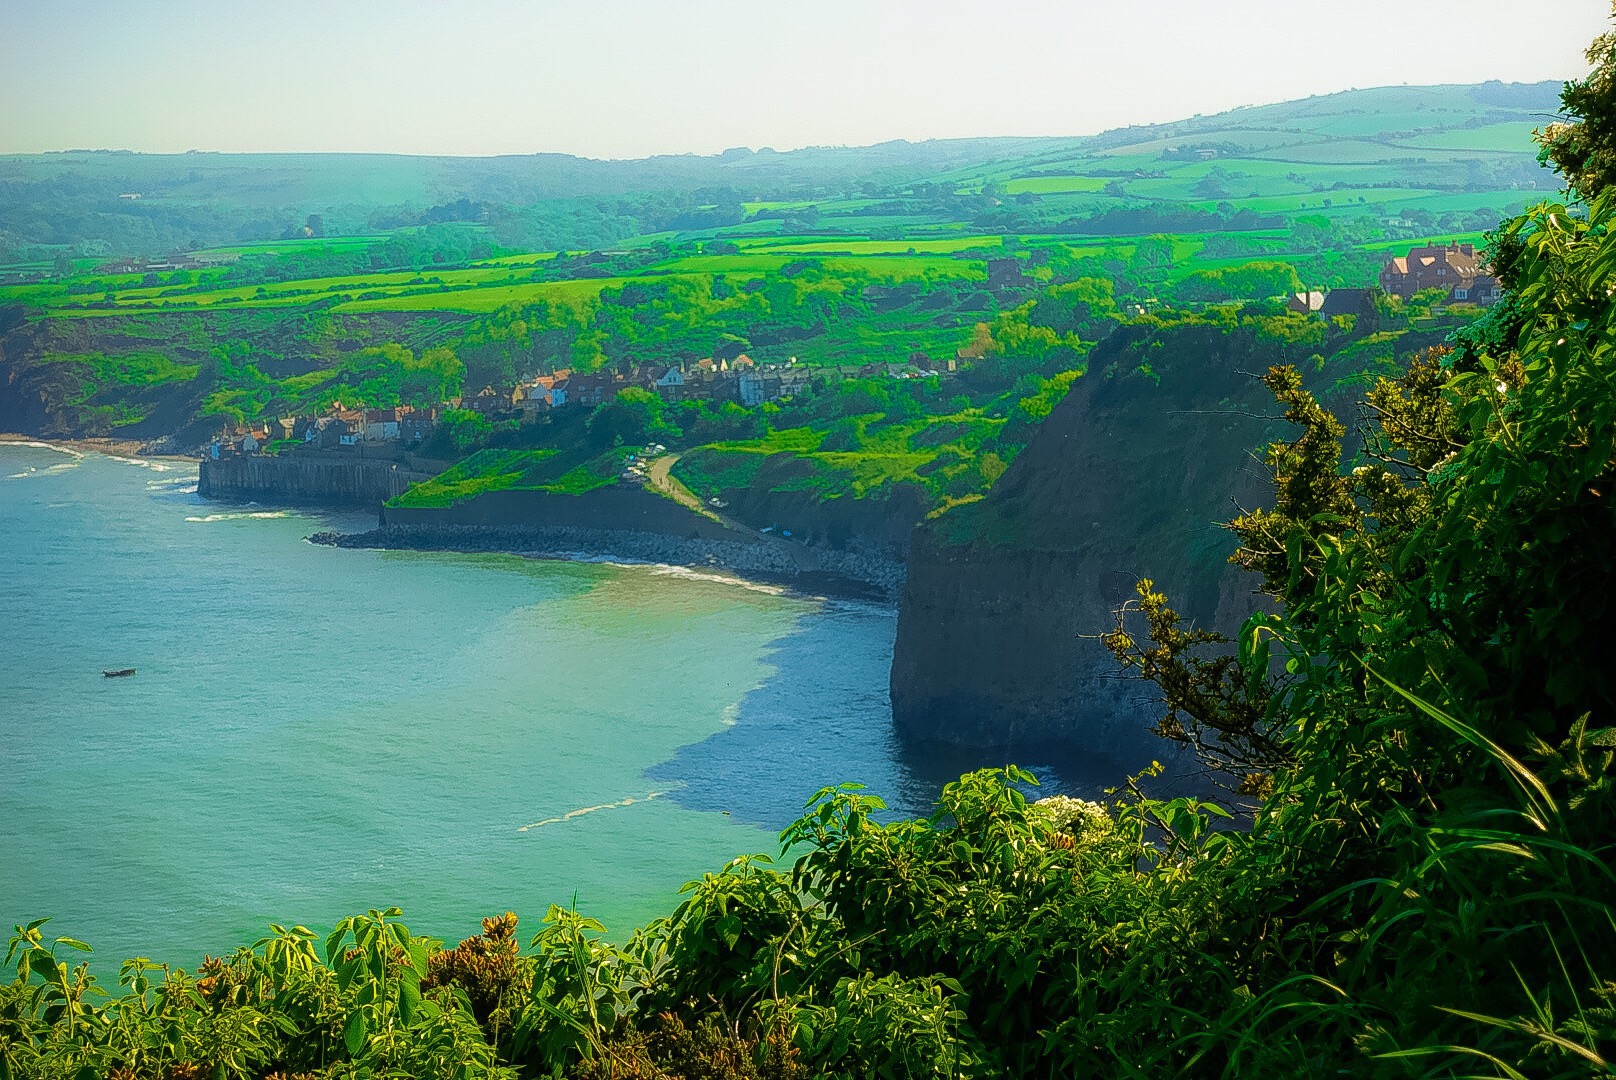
{"type": "Point", "coordinates": [315, 731]}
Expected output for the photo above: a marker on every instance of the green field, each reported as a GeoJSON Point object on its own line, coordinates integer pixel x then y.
{"type": "Point", "coordinates": [803, 245]}
{"type": "Point", "coordinates": [841, 258]}
{"type": "Point", "coordinates": [577, 294]}
{"type": "Point", "coordinates": [856, 457]}
{"type": "Point", "coordinates": [549, 471]}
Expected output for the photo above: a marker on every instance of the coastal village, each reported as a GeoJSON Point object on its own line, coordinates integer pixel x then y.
{"type": "Point", "coordinates": [1455, 268]}
{"type": "Point", "coordinates": [739, 380]}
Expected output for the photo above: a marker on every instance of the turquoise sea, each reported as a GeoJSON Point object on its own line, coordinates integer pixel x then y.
{"type": "Point", "coordinates": [314, 731]}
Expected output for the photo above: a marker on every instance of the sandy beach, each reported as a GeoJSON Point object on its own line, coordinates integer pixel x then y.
{"type": "Point", "coordinates": [111, 447]}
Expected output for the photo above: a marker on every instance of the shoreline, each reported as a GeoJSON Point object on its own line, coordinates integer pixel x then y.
{"type": "Point", "coordinates": [863, 576]}
{"type": "Point", "coordinates": [121, 448]}
{"type": "Point", "coordinates": [866, 576]}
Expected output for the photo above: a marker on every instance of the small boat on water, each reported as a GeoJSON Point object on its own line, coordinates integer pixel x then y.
{"type": "Point", "coordinates": [120, 673]}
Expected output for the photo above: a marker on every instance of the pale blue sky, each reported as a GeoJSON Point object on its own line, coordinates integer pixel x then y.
{"type": "Point", "coordinates": [624, 78]}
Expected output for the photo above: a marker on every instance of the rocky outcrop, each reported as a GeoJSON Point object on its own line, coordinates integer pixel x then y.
{"type": "Point", "coordinates": [302, 479]}
{"type": "Point", "coordinates": [1130, 477]}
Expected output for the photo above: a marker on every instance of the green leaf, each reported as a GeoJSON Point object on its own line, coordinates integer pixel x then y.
{"type": "Point", "coordinates": [74, 943]}
{"type": "Point", "coordinates": [353, 1034]}
{"type": "Point", "coordinates": [409, 998]}
{"type": "Point", "coordinates": [44, 963]}
{"type": "Point", "coordinates": [418, 956]}
{"type": "Point", "coordinates": [333, 941]}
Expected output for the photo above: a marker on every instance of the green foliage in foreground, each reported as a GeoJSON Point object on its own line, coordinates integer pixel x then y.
{"type": "Point", "coordinates": [1418, 882]}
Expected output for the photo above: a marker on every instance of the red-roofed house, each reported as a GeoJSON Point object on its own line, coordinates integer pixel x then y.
{"type": "Point", "coordinates": [1449, 267]}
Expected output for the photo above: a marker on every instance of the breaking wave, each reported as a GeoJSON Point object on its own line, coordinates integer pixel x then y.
{"type": "Point", "coordinates": [48, 470]}
{"type": "Point", "coordinates": [241, 515]}
{"type": "Point", "coordinates": [144, 463]}
{"type": "Point", "coordinates": [68, 450]}
{"type": "Point", "coordinates": [661, 570]}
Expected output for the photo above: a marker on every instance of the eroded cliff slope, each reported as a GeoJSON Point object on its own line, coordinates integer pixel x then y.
{"type": "Point", "coordinates": [1130, 477]}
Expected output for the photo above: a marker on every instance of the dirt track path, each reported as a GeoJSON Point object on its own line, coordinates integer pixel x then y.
{"type": "Point", "coordinates": [662, 480]}
{"type": "Point", "coordinates": [658, 474]}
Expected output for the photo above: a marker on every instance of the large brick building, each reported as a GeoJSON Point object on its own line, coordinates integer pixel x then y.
{"type": "Point", "coordinates": [1455, 268]}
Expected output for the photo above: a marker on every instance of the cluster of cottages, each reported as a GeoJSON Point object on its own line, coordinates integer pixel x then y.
{"type": "Point", "coordinates": [196, 261]}
{"type": "Point", "coordinates": [740, 380]}
{"type": "Point", "coordinates": [1454, 268]}
{"type": "Point", "coordinates": [338, 429]}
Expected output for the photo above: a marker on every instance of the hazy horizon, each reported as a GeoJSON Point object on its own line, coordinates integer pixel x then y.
{"type": "Point", "coordinates": [631, 79]}
{"type": "Point", "coordinates": [712, 153]}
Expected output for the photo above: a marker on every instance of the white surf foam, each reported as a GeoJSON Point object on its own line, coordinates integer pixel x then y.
{"type": "Point", "coordinates": [661, 570]}
{"type": "Point", "coordinates": [582, 810]}
{"type": "Point", "coordinates": [52, 470]}
{"type": "Point", "coordinates": [48, 470]}
{"type": "Point", "coordinates": [241, 516]}
{"type": "Point", "coordinates": [144, 463]}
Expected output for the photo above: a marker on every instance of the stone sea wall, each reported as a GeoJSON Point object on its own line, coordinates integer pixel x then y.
{"type": "Point", "coordinates": [297, 479]}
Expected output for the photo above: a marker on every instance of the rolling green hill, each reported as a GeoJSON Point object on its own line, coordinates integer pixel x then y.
{"type": "Point", "coordinates": [1438, 149]}
{"type": "Point", "coordinates": [293, 266]}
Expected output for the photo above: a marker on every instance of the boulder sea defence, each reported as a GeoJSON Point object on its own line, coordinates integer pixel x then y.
{"type": "Point", "coordinates": [863, 574]}
{"type": "Point", "coordinates": [631, 522]}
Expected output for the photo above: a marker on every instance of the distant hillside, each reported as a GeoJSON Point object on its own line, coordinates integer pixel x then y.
{"type": "Point", "coordinates": [1429, 148]}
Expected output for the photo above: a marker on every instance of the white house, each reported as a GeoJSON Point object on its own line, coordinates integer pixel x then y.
{"type": "Point", "coordinates": [381, 425]}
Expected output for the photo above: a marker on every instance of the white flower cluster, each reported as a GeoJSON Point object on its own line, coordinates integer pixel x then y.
{"type": "Point", "coordinates": [1078, 818]}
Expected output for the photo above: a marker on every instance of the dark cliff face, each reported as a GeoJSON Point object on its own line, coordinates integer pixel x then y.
{"type": "Point", "coordinates": [1128, 478]}
{"type": "Point", "coordinates": [29, 393]}
{"type": "Point", "coordinates": [41, 396]}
